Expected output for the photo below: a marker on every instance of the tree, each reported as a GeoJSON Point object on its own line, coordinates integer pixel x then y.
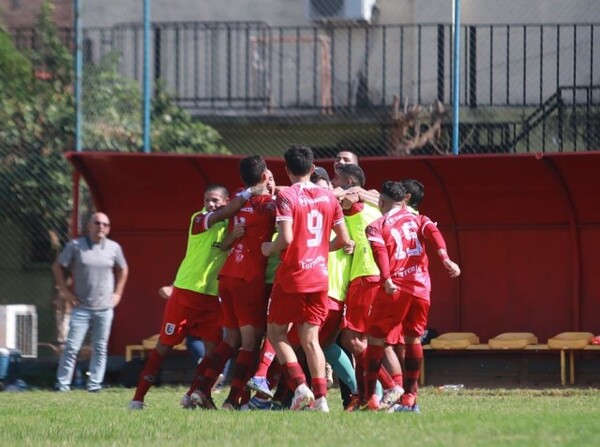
{"type": "Point", "coordinates": [37, 122]}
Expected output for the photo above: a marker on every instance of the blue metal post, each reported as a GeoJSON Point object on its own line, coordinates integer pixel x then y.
{"type": "Point", "coordinates": [146, 102]}
{"type": "Point", "coordinates": [78, 73]}
{"type": "Point", "coordinates": [456, 77]}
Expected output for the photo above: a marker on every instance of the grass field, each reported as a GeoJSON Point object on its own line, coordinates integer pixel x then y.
{"type": "Point", "coordinates": [472, 417]}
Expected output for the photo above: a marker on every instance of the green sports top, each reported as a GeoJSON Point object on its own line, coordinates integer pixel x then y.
{"type": "Point", "coordinates": [338, 266]}
{"type": "Point", "coordinates": [363, 263]}
{"type": "Point", "coordinates": [203, 258]}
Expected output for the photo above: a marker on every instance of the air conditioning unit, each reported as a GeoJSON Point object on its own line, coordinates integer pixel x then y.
{"type": "Point", "coordinates": [344, 10]}
{"type": "Point", "coordinates": [19, 328]}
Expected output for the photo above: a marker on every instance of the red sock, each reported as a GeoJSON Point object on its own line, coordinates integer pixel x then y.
{"type": "Point", "coordinates": [373, 366]}
{"type": "Point", "coordinates": [267, 355]}
{"type": "Point", "coordinates": [294, 375]}
{"type": "Point", "coordinates": [148, 375]}
{"type": "Point", "coordinates": [413, 360]}
{"type": "Point", "coordinates": [242, 371]}
{"type": "Point", "coordinates": [398, 380]}
{"type": "Point", "coordinates": [360, 373]}
{"type": "Point", "coordinates": [217, 361]}
{"type": "Point", "coordinates": [200, 369]}
{"type": "Point", "coordinates": [386, 380]}
{"type": "Point", "coordinates": [319, 387]}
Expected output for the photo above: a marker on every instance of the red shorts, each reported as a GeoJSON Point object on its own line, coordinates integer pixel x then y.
{"type": "Point", "coordinates": [199, 321]}
{"type": "Point", "coordinates": [359, 298]}
{"type": "Point", "coordinates": [243, 303]}
{"type": "Point", "coordinates": [330, 325]}
{"type": "Point", "coordinates": [401, 308]}
{"type": "Point", "coordinates": [395, 336]}
{"type": "Point", "coordinates": [297, 308]}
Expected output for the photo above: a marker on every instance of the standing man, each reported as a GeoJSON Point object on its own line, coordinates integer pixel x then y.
{"type": "Point", "coordinates": [99, 273]}
{"type": "Point", "coordinates": [306, 215]}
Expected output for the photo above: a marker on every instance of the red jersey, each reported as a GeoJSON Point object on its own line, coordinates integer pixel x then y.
{"type": "Point", "coordinates": [403, 234]}
{"type": "Point", "coordinates": [245, 258]}
{"type": "Point", "coordinates": [313, 212]}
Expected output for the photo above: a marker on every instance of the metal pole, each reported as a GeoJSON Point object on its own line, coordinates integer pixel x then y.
{"type": "Point", "coordinates": [456, 76]}
{"type": "Point", "coordinates": [78, 72]}
{"type": "Point", "coordinates": [146, 100]}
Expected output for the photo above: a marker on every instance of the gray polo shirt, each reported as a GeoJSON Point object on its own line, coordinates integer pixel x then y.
{"type": "Point", "coordinates": [91, 265]}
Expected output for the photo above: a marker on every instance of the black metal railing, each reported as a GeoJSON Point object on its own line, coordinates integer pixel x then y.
{"type": "Point", "coordinates": [237, 66]}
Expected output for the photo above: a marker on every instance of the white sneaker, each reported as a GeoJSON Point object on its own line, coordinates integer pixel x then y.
{"type": "Point", "coordinates": [303, 398]}
{"type": "Point", "coordinates": [321, 405]}
{"type": "Point", "coordinates": [136, 405]}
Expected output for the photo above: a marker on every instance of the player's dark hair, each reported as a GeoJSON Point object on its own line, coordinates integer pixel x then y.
{"type": "Point", "coordinates": [353, 172]}
{"type": "Point", "coordinates": [252, 168]}
{"type": "Point", "coordinates": [217, 187]}
{"type": "Point", "coordinates": [416, 190]}
{"type": "Point", "coordinates": [394, 190]}
{"type": "Point", "coordinates": [299, 159]}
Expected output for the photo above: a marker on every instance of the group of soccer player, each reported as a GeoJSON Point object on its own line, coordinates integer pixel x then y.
{"type": "Point", "coordinates": [335, 273]}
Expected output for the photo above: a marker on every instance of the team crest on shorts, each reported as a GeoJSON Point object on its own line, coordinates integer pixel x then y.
{"type": "Point", "coordinates": [169, 329]}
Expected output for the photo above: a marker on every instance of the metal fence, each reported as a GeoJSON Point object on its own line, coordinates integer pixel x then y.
{"type": "Point", "coordinates": [524, 88]}
{"type": "Point", "coordinates": [241, 66]}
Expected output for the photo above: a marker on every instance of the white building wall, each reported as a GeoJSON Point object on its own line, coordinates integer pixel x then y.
{"type": "Point", "coordinates": [293, 12]}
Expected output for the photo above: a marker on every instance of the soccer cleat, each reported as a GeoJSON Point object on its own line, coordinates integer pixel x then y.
{"type": "Point", "coordinates": [261, 385]}
{"type": "Point", "coordinates": [227, 406]}
{"type": "Point", "coordinates": [256, 403]}
{"type": "Point", "coordinates": [321, 405]}
{"type": "Point", "coordinates": [390, 397]}
{"type": "Point", "coordinates": [303, 398]}
{"type": "Point", "coordinates": [187, 403]}
{"type": "Point", "coordinates": [372, 404]}
{"type": "Point", "coordinates": [329, 375]}
{"type": "Point", "coordinates": [136, 405]}
{"type": "Point", "coordinates": [277, 406]}
{"type": "Point", "coordinates": [354, 403]}
{"type": "Point", "coordinates": [203, 401]}
{"type": "Point", "coordinates": [408, 403]}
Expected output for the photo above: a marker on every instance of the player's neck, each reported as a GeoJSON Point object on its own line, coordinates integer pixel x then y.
{"type": "Point", "coordinates": [299, 179]}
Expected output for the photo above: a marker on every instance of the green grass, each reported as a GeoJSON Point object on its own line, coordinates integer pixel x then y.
{"type": "Point", "coordinates": [477, 417]}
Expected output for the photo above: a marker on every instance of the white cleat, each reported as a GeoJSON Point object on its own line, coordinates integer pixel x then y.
{"type": "Point", "coordinates": [321, 405]}
{"type": "Point", "coordinates": [136, 405]}
{"type": "Point", "coordinates": [303, 398]}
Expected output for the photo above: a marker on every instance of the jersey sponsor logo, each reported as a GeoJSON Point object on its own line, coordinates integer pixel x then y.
{"type": "Point", "coordinates": [169, 329]}
{"type": "Point", "coordinates": [305, 201]}
{"type": "Point", "coordinates": [404, 272]}
{"type": "Point", "coordinates": [310, 263]}
{"type": "Point", "coordinates": [248, 209]}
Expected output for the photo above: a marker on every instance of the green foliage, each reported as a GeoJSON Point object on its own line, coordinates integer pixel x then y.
{"type": "Point", "coordinates": [112, 113]}
{"type": "Point", "coordinates": [173, 129]}
{"type": "Point", "coordinates": [15, 69]}
{"type": "Point", "coordinates": [37, 125]}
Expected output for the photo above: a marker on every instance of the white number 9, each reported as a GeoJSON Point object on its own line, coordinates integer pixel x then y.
{"type": "Point", "coordinates": [314, 225]}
